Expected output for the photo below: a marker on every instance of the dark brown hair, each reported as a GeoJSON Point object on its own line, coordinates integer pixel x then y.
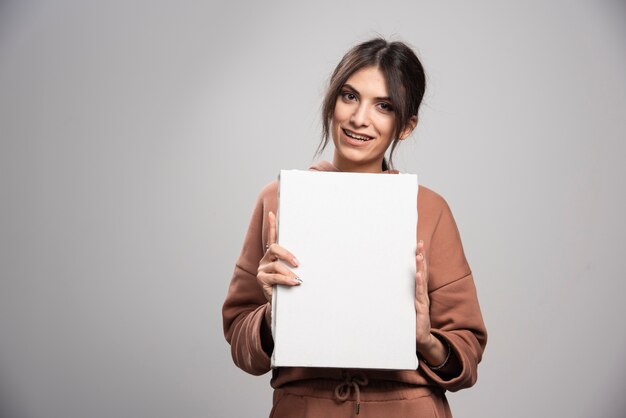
{"type": "Point", "coordinates": [403, 72]}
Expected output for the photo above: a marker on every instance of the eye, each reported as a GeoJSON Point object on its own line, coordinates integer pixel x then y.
{"type": "Point", "coordinates": [348, 96]}
{"type": "Point", "coordinates": [387, 107]}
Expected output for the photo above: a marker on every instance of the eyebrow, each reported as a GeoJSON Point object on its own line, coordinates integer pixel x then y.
{"type": "Point", "coordinates": [375, 98]}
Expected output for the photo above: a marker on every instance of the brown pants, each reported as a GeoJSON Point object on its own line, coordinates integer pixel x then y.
{"type": "Point", "coordinates": [378, 399]}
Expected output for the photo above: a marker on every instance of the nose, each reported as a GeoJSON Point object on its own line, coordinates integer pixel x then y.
{"type": "Point", "coordinates": [360, 116]}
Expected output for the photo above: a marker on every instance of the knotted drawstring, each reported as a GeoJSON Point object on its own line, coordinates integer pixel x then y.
{"type": "Point", "coordinates": [343, 389]}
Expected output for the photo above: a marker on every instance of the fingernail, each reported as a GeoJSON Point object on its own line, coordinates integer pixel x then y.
{"type": "Point", "coordinates": [420, 256]}
{"type": "Point", "coordinates": [295, 261]}
{"type": "Point", "coordinates": [421, 242]}
{"type": "Point", "coordinates": [297, 280]}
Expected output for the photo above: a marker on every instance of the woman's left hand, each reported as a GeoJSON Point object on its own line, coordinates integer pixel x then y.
{"type": "Point", "coordinates": [422, 302]}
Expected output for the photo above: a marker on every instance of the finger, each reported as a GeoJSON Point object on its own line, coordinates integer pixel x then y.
{"type": "Point", "coordinates": [420, 262]}
{"type": "Point", "coordinates": [278, 267]}
{"type": "Point", "coordinates": [272, 237]}
{"type": "Point", "coordinates": [421, 287]}
{"type": "Point", "coordinates": [276, 252]}
{"type": "Point", "coordinates": [271, 279]}
{"type": "Point", "coordinates": [421, 290]}
{"type": "Point", "coordinates": [420, 248]}
{"type": "Point", "coordinates": [421, 258]}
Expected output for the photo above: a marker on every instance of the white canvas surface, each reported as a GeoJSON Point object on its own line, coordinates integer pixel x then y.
{"type": "Point", "coordinates": [354, 235]}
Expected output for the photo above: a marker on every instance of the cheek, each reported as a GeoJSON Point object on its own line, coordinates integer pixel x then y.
{"type": "Point", "coordinates": [337, 120]}
{"type": "Point", "coordinates": [334, 123]}
{"type": "Point", "coordinates": [342, 111]}
{"type": "Point", "coordinates": [387, 127]}
{"type": "Point", "coordinates": [334, 128]}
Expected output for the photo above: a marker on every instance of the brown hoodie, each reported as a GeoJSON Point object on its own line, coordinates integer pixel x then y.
{"type": "Point", "coordinates": [454, 309]}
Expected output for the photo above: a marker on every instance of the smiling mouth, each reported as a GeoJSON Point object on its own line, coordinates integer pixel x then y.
{"type": "Point", "coordinates": [362, 138]}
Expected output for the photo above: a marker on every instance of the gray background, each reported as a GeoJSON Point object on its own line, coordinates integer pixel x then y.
{"type": "Point", "coordinates": [135, 137]}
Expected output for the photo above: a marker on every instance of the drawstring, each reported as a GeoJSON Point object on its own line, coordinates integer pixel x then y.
{"type": "Point", "coordinates": [342, 391]}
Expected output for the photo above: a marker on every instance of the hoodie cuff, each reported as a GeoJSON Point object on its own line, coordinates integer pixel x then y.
{"type": "Point", "coordinates": [250, 354]}
{"type": "Point", "coordinates": [448, 379]}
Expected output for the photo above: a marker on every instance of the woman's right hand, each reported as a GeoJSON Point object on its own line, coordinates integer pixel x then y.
{"type": "Point", "coordinates": [271, 270]}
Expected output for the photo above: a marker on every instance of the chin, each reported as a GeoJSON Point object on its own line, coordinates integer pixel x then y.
{"type": "Point", "coordinates": [353, 156]}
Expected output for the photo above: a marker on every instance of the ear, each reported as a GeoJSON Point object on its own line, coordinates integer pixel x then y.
{"type": "Point", "coordinates": [410, 125]}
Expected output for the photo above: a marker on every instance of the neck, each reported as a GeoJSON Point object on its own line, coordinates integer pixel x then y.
{"type": "Point", "coordinates": [349, 166]}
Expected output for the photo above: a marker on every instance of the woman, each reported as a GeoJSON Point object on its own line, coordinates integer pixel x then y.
{"type": "Point", "coordinates": [371, 104]}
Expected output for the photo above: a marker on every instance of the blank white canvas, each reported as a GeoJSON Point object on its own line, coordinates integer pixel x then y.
{"type": "Point", "coordinates": [354, 235]}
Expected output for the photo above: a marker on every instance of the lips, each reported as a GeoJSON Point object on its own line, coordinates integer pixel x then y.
{"type": "Point", "coordinates": [357, 136]}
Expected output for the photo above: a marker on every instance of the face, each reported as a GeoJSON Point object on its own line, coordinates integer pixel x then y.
{"type": "Point", "coordinates": [363, 122]}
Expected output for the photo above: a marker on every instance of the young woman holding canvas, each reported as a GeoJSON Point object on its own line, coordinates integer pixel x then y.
{"type": "Point", "coordinates": [371, 104]}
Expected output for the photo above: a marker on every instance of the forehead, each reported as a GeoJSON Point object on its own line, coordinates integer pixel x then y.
{"type": "Point", "coordinates": [369, 81]}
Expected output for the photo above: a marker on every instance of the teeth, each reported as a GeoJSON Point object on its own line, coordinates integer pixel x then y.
{"type": "Point", "coordinates": [360, 138]}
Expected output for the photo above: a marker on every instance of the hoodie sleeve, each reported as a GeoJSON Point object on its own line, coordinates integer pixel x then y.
{"type": "Point", "coordinates": [454, 310]}
{"type": "Point", "coordinates": [245, 307]}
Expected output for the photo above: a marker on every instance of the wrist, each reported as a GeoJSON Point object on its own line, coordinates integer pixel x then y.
{"type": "Point", "coordinates": [434, 352]}
{"type": "Point", "coordinates": [429, 346]}
{"type": "Point", "coordinates": [445, 362]}
{"type": "Point", "coordinates": [432, 343]}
